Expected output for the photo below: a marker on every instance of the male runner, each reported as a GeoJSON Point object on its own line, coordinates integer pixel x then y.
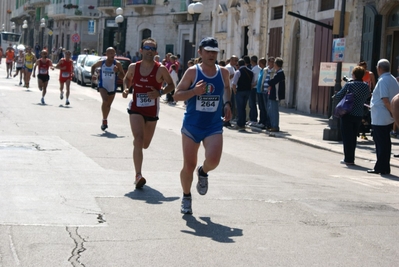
{"type": "Point", "coordinates": [30, 59]}
{"type": "Point", "coordinates": [19, 61]}
{"type": "Point", "coordinates": [43, 77]}
{"type": "Point", "coordinates": [206, 87]}
{"type": "Point", "coordinates": [66, 72]}
{"type": "Point", "coordinates": [9, 60]}
{"type": "Point", "coordinates": [110, 70]}
{"type": "Point", "coordinates": [147, 77]}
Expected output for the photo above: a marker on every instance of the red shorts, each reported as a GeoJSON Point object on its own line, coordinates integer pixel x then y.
{"type": "Point", "coordinates": [64, 79]}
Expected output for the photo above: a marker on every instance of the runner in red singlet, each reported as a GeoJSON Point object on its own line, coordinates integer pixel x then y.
{"type": "Point", "coordinates": [147, 77]}
{"type": "Point", "coordinates": [66, 72]}
{"type": "Point", "coordinates": [43, 77]}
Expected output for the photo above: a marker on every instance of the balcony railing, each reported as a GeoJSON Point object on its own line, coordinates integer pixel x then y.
{"type": "Point", "coordinates": [39, 2]}
{"type": "Point", "coordinates": [18, 12]}
{"type": "Point", "coordinates": [110, 3]}
{"type": "Point", "coordinates": [56, 10]}
{"type": "Point", "coordinates": [140, 2]}
{"type": "Point", "coordinates": [84, 11]}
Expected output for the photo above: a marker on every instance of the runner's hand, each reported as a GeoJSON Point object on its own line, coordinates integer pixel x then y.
{"type": "Point", "coordinates": [200, 88]}
{"type": "Point", "coordinates": [153, 94]}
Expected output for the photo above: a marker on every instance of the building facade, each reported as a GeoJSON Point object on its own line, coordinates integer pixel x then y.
{"type": "Point", "coordinates": [243, 27]}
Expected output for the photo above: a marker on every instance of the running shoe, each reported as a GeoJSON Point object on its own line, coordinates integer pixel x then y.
{"type": "Point", "coordinates": [40, 89]}
{"type": "Point", "coordinates": [20, 82]}
{"type": "Point", "coordinates": [43, 101]}
{"type": "Point", "coordinates": [104, 125]}
{"type": "Point", "coordinates": [62, 95]}
{"type": "Point", "coordinates": [186, 205]}
{"type": "Point", "coordinates": [140, 181]}
{"type": "Point", "coordinates": [202, 185]}
{"type": "Point", "coordinates": [67, 102]}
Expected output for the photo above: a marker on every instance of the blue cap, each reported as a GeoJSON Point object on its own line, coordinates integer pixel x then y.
{"type": "Point", "coordinates": [209, 44]}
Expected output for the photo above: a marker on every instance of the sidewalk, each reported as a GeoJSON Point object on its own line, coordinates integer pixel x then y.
{"type": "Point", "coordinates": [308, 130]}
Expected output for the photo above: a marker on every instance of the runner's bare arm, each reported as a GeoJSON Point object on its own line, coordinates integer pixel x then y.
{"type": "Point", "coordinates": [226, 94]}
{"type": "Point", "coordinates": [182, 93]}
{"type": "Point", "coordinates": [121, 72]}
{"type": "Point", "coordinates": [95, 66]}
{"type": "Point", "coordinates": [127, 80]}
{"type": "Point", "coordinates": [167, 79]}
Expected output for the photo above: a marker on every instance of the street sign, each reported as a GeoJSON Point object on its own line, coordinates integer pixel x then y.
{"type": "Point", "coordinates": [328, 73]}
{"type": "Point", "coordinates": [50, 32]}
{"type": "Point", "coordinates": [75, 38]}
{"type": "Point", "coordinates": [338, 50]}
{"type": "Point", "coordinates": [91, 27]}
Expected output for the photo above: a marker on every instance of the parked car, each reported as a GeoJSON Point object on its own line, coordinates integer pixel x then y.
{"type": "Point", "coordinates": [76, 65]}
{"type": "Point", "coordinates": [84, 72]}
{"type": "Point", "coordinates": [125, 64]}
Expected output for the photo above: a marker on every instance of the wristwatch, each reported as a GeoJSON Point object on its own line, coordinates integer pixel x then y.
{"type": "Point", "coordinates": [160, 92]}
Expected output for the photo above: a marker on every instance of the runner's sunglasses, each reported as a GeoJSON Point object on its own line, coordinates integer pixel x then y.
{"type": "Point", "coordinates": [146, 47]}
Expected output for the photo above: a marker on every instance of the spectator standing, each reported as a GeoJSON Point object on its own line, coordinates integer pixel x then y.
{"type": "Point", "coordinates": [253, 109]}
{"type": "Point", "coordinates": [381, 116]}
{"type": "Point", "coordinates": [37, 50]}
{"type": "Point", "coordinates": [350, 122]}
{"type": "Point", "coordinates": [261, 95]}
{"type": "Point", "coordinates": [136, 57]}
{"type": "Point", "coordinates": [231, 67]}
{"type": "Point", "coordinates": [275, 94]}
{"type": "Point", "coordinates": [128, 55]}
{"type": "Point", "coordinates": [242, 85]}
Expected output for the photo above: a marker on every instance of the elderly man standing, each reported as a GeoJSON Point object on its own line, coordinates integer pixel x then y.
{"type": "Point", "coordinates": [381, 116]}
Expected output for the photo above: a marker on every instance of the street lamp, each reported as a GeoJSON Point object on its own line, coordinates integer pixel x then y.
{"type": "Point", "coordinates": [119, 19]}
{"type": "Point", "coordinates": [12, 26]}
{"type": "Point", "coordinates": [42, 26]}
{"type": "Point", "coordinates": [25, 27]}
{"type": "Point", "coordinates": [195, 9]}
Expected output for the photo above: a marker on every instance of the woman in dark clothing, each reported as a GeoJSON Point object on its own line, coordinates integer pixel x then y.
{"type": "Point", "coordinates": [350, 122]}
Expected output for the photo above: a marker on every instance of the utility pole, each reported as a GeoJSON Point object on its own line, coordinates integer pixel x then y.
{"type": "Point", "coordinates": [333, 132]}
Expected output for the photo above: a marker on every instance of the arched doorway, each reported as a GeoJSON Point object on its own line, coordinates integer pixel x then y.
{"type": "Point", "coordinates": [392, 40]}
{"type": "Point", "coordinates": [371, 37]}
{"type": "Point", "coordinates": [295, 52]}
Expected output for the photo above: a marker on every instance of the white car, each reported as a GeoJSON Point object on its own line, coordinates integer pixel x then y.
{"type": "Point", "coordinates": [76, 65]}
{"type": "Point", "coordinates": [84, 71]}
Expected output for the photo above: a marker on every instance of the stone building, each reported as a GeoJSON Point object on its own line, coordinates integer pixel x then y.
{"type": "Point", "coordinates": [264, 28]}
{"type": "Point", "coordinates": [243, 27]}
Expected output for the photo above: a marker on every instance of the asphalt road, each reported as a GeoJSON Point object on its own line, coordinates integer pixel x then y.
{"type": "Point", "coordinates": [67, 196]}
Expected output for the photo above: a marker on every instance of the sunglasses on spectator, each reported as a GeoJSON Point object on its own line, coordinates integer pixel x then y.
{"type": "Point", "coordinates": [146, 47]}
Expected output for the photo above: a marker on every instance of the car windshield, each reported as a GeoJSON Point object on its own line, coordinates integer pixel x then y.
{"type": "Point", "coordinates": [125, 63]}
{"type": "Point", "coordinates": [91, 61]}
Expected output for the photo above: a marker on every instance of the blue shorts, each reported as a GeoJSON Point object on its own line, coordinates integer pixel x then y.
{"type": "Point", "coordinates": [199, 134]}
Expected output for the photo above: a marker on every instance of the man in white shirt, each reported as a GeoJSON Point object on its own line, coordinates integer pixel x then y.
{"type": "Point", "coordinates": [231, 67]}
{"type": "Point", "coordinates": [253, 112]}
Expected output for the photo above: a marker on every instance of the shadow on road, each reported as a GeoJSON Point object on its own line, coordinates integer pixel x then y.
{"type": "Point", "coordinates": [149, 195]}
{"type": "Point", "coordinates": [108, 135]}
{"type": "Point", "coordinates": [215, 231]}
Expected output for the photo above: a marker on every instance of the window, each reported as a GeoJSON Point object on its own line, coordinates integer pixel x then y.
{"type": "Point", "coordinates": [327, 5]}
{"type": "Point", "coordinates": [277, 12]}
{"type": "Point", "coordinates": [146, 34]}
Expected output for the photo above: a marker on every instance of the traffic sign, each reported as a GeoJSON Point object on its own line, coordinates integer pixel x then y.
{"type": "Point", "coordinates": [50, 32]}
{"type": "Point", "coordinates": [328, 73]}
{"type": "Point", "coordinates": [75, 38]}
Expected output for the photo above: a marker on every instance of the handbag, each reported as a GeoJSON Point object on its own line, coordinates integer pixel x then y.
{"type": "Point", "coordinates": [344, 106]}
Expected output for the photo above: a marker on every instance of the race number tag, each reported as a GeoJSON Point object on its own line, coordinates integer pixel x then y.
{"type": "Point", "coordinates": [207, 103]}
{"type": "Point", "coordinates": [42, 71]}
{"type": "Point", "coordinates": [144, 101]}
{"type": "Point", "coordinates": [65, 74]}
